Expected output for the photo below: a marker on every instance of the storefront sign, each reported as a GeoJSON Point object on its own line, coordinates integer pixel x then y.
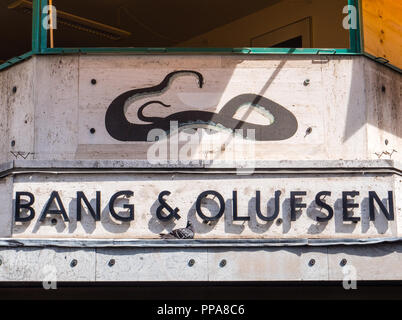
{"type": "Point", "coordinates": [166, 213]}
{"type": "Point", "coordinates": [220, 206]}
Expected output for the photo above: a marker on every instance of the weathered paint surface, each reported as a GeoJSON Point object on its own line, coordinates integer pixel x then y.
{"type": "Point", "coordinates": [341, 104]}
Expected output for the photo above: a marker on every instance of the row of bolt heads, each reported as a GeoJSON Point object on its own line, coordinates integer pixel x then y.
{"type": "Point", "coordinates": [112, 262]}
{"type": "Point", "coordinates": [191, 263]}
{"type": "Point", "coordinates": [93, 81]}
{"type": "Point", "coordinates": [305, 83]}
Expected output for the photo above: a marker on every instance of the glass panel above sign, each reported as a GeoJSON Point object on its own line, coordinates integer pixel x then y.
{"type": "Point", "coordinates": [16, 31]}
{"type": "Point", "coordinates": [198, 24]}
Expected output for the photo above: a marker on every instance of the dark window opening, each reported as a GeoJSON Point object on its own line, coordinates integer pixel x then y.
{"type": "Point", "coordinates": [15, 31]}
{"type": "Point", "coordinates": [178, 24]}
{"type": "Point", "coordinates": [296, 42]}
{"type": "Point", "coordinates": [200, 24]}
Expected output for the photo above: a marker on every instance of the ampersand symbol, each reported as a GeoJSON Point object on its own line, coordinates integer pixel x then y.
{"type": "Point", "coordinates": [173, 213]}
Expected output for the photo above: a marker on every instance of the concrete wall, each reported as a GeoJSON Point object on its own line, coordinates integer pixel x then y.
{"type": "Point", "coordinates": [352, 104]}
{"type": "Point", "coordinates": [17, 103]}
{"type": "Point", "coordinates": [375, 263]}
{"type": "Point", "coordinates": [186, 188]}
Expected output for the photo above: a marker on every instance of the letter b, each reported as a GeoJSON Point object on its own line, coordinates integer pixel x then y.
{"type": "Point", "coordinates": [28, 206]}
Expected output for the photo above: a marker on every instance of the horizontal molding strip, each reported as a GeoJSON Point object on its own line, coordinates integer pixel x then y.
{"type": "Point", "coordinates": [197, 243]}
{"type": "Point", "coordinates": [218, 167]}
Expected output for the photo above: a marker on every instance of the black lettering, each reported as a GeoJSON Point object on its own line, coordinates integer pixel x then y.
{"type": "Point", "coordinates": [54, 197]}
{"type": "Point", "coordinates": [388, 214]}
{"type": "Point", "coordinates": [26, 206]}
{"type": "Point", "coordinates": [173, 213]}
{"type": "Point", "coordinates": [235, 213]}
{"type": "Point", "coordinates": [324, 205]}
{"type": "Point", "coordinates": [347, 205]}
{"type": "Point", "coordinates": [96, 213]}
{"type": "Point", "coordinates": [130, 207]}
{"type": "Point", "coordinates": [295, 205]}
{"type": "Point", "coordinates": [258, 207]}
{"type": "Point", "coordinates": [221, 203]}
